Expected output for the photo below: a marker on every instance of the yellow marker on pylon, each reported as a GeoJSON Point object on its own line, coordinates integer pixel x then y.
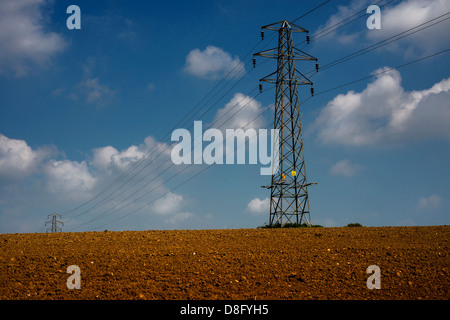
{"type": "Point", "coordinates": [294, 173]}
{"type": "Point", "coordinates": [283, 176]}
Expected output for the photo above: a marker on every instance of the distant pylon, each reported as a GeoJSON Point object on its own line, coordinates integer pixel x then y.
{"type": "Point", "coordinates": [289, 201]}
{"type": "Point", "coordinates": [54, 222]}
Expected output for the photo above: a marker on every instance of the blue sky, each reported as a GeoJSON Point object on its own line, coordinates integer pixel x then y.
{"type": "Point", "coordinates": [78, 108]}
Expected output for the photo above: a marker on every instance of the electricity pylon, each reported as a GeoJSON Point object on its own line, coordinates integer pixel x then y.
{"type": "Point", "coordinates": [54, 222]}
{"type": "Point", "coordinates": [289, 202]}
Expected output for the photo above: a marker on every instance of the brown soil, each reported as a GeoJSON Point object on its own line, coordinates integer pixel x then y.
{"type": "Point", "coordinates": [280, 264]}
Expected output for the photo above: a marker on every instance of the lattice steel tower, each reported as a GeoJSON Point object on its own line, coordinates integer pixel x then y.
{"type": "Point", "coordinates": [54, 222]}
{"type": "Point", "coordinates": [289, 202]}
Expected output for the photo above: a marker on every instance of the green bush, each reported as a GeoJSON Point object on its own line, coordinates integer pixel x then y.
{"type": "Point", "coordinates": [354, 225]}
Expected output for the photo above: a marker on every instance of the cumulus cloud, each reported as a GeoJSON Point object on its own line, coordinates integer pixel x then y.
{"type": "Point", "coordinates": [239, 122]}
{"type": "Point", "coordinates": [77, 179]}
{"type": "Point", "coordinates": [409, 14]}
{"type": "Point", "coordinates": [384, 113]}
{"type": "Point", "coordinates": [212, 63]}
{"type": "Point", "coordinates": [69, 176]}
{"type": "Point", "coordinates": [433, 201]}
{"type": "Point", "coordinates": [395, 19]}
{"type": "Point", "coordinates": [169, 204]}
{"type": "Point", "coordinates": [171, 207]}
{"type": "Point", "coordinates": [25, 42]}
{"type": "Point", "coordinates": [343, 12]}
{"type": "Point", "coordinates": [345, 168]}
{"type": "Point", "coordinates": [104, 157]}
{"type": "Point", "coordinates": [110, 159]}
{"type": "Point", "coordinates": [238, 112]}
{"type": "Point", "coordinates": [64, 183]}
{"type": "Point", "coordinates": [18, 159]}
{"type": "Point", "coordinates": [258, 206]}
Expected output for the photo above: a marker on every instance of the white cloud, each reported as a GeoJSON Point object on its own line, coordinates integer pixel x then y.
{"type": "Point", "coordinates": [258, 206]}
{"type": "Point", "coordinates": [212, 63]}
{"type": "Point", "coordinates": [169, 204]}
{"type": "Point", "coordinates": [395, 18]}
{"type": "Point", "coordinates": [67, 176]}
{"type": "Point", "coordinates": [95, 92]}
{"type": "Point", "coordinates": [57, 184]}
{"type": "Point", "coordinates": [104, 157]}
{"type": "Point", "coordinates": [343, 12]}
{"type": "Point", "coordinates": [17, 159]}
{"type": "Point", "coordinates": [384, 113]}
{"type": "Point", "coordinates": [110, 159]}
{"type": "Point", "coordinates": [243, 113]}
{"type": "Point", "coordinates": [345, 168]}
{"type": "Point", "coordinates": [433, 201]}
{"type": "Point", "coordinates": [411, 13]}
{"type": "Point", "coordinates": [238, 112]}
{"type": "Point", "coordinates": [24, 40]}
{"type": "Point", "coordinates": [85, 178]}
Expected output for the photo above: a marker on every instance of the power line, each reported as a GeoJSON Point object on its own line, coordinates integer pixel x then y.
{"type": "Point", "coordinates": [265, 110]}
{"type": "Point", "coordinates": [384, 71]}
{"type": "Point", "coordinates": [197, 111]}
{"type": "Point", "coordinates": [166, 147]}
{"type": "Point", "coordinates": [146, 156]}
{"type": "Point", "coordinates": [184, 182]}
{"type": "Point", "coordinates": [108, 212]}
{"type": "Point", "coordinates": [171, 165]}
{"type": "Point", "coordinates": [383, 43]}
{"type": "Point", "coordinates": [316, 35]}
{"type": "Point", "coordinates": [159, 154]}
{"type": "Point", "coordinates": [322, 92]}
{"type": "Point", "coordinates": [312, 10]}
{"type": "Point", "coordinates": [138, 163]}
{"type": "Point", "coordinates": [333, 27]}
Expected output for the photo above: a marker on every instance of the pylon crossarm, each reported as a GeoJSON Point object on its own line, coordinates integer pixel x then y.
{"type": "Point", "coordinates": [302, 81]}
{"type": "Point", "coordinates": [271, 53]}
{"type": "Point", "coordinates": [267, 78]}
{"type": "Point", "coordinates": [284, 24]}
{"type": "Point", "coordinates": [280, 183]}
{"type": "Point", "coordinates": [289, 81]}
{"type": "Point", "coordinates": [303, 55]}
{"type": "Point", "coordinates": [306, 184]}
{"type": "Point", "coordinates": [296, 28]}
{"type": "Point", "coordinates": [275, 26]}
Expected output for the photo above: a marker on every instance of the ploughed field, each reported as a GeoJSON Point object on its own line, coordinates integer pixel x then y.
{"type": "Point", "coordinates": [314, 263]}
